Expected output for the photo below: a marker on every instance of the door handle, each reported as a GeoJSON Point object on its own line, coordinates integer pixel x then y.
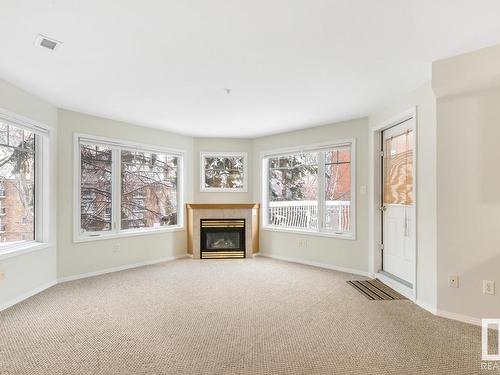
{"type": "Point", "coordinates": [406, 224]}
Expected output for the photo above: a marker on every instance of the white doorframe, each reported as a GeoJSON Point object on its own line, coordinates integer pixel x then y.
{"type": "Point", "coordinates": [375, 195]}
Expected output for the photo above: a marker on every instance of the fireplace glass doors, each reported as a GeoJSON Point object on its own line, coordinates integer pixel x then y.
{"type": "Point", "coordinates": [222, 238]}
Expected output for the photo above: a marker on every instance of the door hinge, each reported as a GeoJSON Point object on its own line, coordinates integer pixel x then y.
{"type": "Point", "coordinates": [382, 153]}
{"type": "Point", "coordinates": [381, 246]}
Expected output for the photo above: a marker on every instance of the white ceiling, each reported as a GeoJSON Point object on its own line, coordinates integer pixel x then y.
{"type": "Point", "coordinates": [290, 63]}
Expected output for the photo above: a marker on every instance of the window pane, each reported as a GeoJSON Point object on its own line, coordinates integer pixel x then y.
{"type": "Point", "coordinates": [149, 190]}
{"type": "Point", "coordinates": [293, 190]}
{"type": "Point", "coordinates": [17, 184]}
{"type": "Point", "coordinates": [398, 169]}
{"type": "Point", "coordinates": [338, 189]}
{"type": "Point", "coordinates": [224, 172]}
{"type": "Point", "coordinates": [96, 187]}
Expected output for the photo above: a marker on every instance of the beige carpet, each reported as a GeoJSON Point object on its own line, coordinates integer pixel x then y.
{"type": "Point", "coordinates": [257, 316]}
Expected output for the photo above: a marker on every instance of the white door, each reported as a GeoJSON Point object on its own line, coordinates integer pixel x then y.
{"type": "Point", "coordinates": [398, 209]}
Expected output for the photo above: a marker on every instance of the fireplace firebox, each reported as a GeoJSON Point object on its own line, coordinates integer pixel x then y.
{"type": "Point", "coordinates": [222, 238]}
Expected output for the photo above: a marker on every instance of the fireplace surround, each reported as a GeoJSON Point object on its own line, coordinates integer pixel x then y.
{"type": "Point", "coordinates": [229, 212]}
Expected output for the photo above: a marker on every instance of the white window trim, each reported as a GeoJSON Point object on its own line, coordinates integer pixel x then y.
{"type": "Point", "coordinates": [117, 145]}
{"type": "Point", "coordinates": [205, 154]}
{"type": "Point", "coordinates": [43, 199]}
{"type": "Point", "coordinates": [318, 147]}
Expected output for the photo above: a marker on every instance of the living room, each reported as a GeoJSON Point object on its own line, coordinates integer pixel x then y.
{"type": "Point", "coordinates": [249, 187]}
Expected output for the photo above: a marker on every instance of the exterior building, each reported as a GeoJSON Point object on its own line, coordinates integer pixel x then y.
{"type": "Point", "coordinates": [16, 216]}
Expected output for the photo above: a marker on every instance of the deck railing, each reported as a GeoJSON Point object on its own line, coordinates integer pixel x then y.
{"type": "Point", "coordinates": [304, 215]}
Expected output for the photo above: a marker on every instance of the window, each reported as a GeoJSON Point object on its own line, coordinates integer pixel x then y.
{"type": "Point", "coordinates": [22, 185]}
{"type": "Point", "coordinates": [96, 186]}
{"type": "Point", "coordinates": [223, 172]}
{"type": "Point", "coordinates": [124, 188]}
{"type": "Point", "coordinates": [338, 190]}
{"type": "Point", "coordinates": [17, 181]}
{"type": "Point", "coordinates": [149, 190]}
{"type": "Point", "coordinates": [398, 169]}
{"type": "Point", "coordinates": [293, 190]}
{"type": "Point", "coordinates": [310, 190]}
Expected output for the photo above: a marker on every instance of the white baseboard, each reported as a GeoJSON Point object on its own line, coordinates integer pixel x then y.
{"type": "Point", "coordinates": [459, 317]}
{"type": "Point", "coordinates": [430, 308]}
{"type": "Point", "coordinates": [118, 268]}
{"type": "Point", "coordinates": [27, 295]}
{"type": "Point", "coordinates": [316, 264]}
{"type": "Point", "coordinates": [424, 305]}
{"type": "Point", "coordinates": [39, 289]}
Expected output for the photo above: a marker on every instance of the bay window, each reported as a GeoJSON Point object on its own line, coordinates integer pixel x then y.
{"type": "Point", "coordinates": [310, 190]}
{"type": "Point", "coordinates": [125, 188]}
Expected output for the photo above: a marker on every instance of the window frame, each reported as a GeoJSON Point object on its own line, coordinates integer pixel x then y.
{"type": "Point", "coordinates": [321, 148]}
{"type": "Point", "coordinates": [205, 154]}
{"type": "Point", "coordinates": [116, 146]}
{"type": "Point", "coordinates": [42, 184]}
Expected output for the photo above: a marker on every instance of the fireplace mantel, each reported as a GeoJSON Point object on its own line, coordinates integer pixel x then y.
{"type": "Point", "coordinates": [221, 206]}
{"type": "Point", "coordinates": [247, 211]}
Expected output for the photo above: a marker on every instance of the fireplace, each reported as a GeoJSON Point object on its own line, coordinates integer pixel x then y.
{"type": "Point", "coordinates": [222, 238]}
{"type": "Point", "coordinates": [196, 212]}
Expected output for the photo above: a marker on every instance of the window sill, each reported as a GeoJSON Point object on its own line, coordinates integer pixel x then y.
{"type": "Point", "coordinates": [126, 233]}
{"type": "Point", "coordinates": [22, 249]}
{"type": "Point", "coordinates": [351, 237]}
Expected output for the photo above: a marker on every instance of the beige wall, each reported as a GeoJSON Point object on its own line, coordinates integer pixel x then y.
{"type": "Point", "coordinates": [325, 251]}
{"type": "Point", "coordinates": [468, 160]}
{"type": "Point", "coordinates": [469, 202]}
{"type": "Point", "coordinates": [29, 272]}
{"type": "Point", "coordinates": [221, 145]}
{"type": "Point", "coordinates": [424, 100]}
{"type": "Point", "coordinates": [80, 258]}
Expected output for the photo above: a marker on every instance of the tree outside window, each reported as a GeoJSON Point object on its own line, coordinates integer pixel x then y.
{"type": "Point", "coordinates": [223, 172]}
{"type": "Point", "coordinates": [17, 184]}
{"type": "Point", "coordinates": [149, 190]}
{"type": "Point", "coordinates": [125, 190]}
{"type": "Point", "coordinates": [310, 190]}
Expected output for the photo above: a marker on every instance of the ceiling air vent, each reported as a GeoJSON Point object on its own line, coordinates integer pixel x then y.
{"type": "Point", "coordinates": [46, 42]}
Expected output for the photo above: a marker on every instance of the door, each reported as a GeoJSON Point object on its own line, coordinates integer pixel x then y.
{"type": "Point", "coordinates": [398, 208]}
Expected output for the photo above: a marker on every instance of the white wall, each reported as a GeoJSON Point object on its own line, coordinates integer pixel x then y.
{"type": "Point", "coordinates": [326, 251]}
{"type": "Point", "coordinates": [423, 98]}
{"type": "Point", "coordinates": [32, 271]}
{"type": "Point", "coordinates": [221, 145]}
{"type": "Point", "coordinates": [80, 258]}
{"type": "Point", "coordinates": [458, 204]}
{"type": "Point", "coordinates": [468, 160]}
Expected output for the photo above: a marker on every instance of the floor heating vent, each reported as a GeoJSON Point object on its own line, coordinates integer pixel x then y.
{"type": "Point", "coordinates": [375, 290]}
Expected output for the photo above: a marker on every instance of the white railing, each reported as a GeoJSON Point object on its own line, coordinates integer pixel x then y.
{"type": "Point", "coordinates": [304, 215]}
